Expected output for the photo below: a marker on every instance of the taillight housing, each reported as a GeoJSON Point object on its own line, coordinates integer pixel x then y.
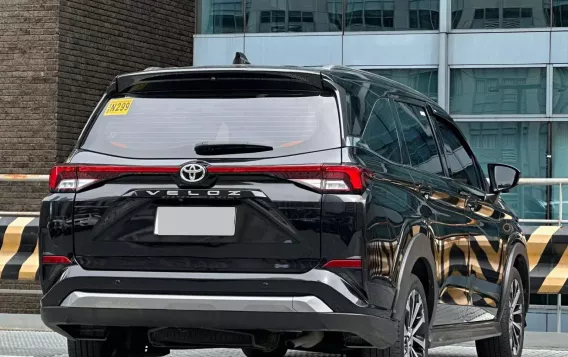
{"type": "Point", "coordinates": [71, 178]}
{"type": "Point", "coordinates": [322, 178]}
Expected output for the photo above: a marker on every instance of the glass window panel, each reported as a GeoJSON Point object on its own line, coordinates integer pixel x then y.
{"type": "Point", "coordinates": [392, 15]}
{"type": "Point", "coordinates": [461, 164]}
{"type": "Point", "coordinates": [544, 299]}
{"type": "Point", "coordinates": [560, 91]}
{"type": "Point", "coordinates": [293, 16]}
{"type": "Point", "coordinates": [491, 14]}
{"type": "Point", "coordinates": [522, 145]}
{"type": "Point", "coordinates": [559, 166]}
{"type": "Point", "coordinates": [380, 133]}
{"type": "Point", "coordinates": [220, 16]}
{"type": "Point", "coordinates": [560, 13]}
{"type": "Point", "coordinates": [419, 138]}
{"type": "Point", "coordinates": [498, 91]}
{"type": "Point", "coordinates": [423, 80]}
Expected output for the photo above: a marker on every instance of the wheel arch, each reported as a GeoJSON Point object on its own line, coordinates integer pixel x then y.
{"type": "Point", "coordinates": [516, 258]}
{"type": "Point", "coordinates": [418, 258]}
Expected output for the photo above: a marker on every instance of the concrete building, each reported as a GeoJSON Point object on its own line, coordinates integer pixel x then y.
{"type": "Point", "coordinates": [500, 67]}
{"type": "Point", "coordinates": [56, 59]}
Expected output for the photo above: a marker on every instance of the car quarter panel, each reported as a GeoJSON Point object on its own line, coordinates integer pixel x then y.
{"type": "Point", "coordinates": [392, 216]}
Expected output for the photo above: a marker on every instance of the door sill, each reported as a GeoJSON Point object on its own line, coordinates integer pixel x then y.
{"type": "Point", "coordinates": [451, 334]}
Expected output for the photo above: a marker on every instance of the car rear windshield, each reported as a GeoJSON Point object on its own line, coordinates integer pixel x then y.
{"type": "Point", "coordinates": [170, 127]}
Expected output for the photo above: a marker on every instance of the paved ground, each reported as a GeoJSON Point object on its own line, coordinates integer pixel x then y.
{"type": "Point", "coordinates": [25, 335]}
{"type": "Point", "coordinates": [48, 344]}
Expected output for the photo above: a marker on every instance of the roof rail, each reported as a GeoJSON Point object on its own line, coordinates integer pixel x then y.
{"type": "Point", "coordinates": [240, 58]}
{"type": "Point", "coordinates": [151, 68]}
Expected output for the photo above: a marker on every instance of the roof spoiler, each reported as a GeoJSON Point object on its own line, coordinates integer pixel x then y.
{"type": "Point", "coordinates": [240, 58]}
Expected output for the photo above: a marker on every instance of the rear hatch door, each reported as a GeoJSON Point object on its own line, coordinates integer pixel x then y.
{"type": "Point", "coordinates": [213, 180]}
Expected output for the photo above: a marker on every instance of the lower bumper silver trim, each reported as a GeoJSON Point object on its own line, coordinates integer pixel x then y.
{"type": "Point", "coordinates": [196, 302]}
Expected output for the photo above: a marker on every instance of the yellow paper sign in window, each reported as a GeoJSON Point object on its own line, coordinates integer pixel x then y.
{"type": "Point", "coordinates": [118, 106]}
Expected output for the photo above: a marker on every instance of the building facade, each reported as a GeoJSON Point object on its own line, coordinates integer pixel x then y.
{"type": "Point", "coordinates": [500, 67]}
{"type": "Point", "coordinates": [56, 59]}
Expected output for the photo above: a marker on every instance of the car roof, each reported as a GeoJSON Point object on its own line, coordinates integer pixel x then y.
{"type": "Point", "coordinates": [344, 72]}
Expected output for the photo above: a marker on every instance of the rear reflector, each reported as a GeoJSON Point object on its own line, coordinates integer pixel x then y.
{"type": "Point", "coordinates": [55, 259]}
{"type": "Point", "coordinates": [323, 178]}
{"type": "Point", "coordinates": [344, 263]}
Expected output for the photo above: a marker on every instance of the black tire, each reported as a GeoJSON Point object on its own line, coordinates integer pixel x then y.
{"type": "Point", "coordinates": [398, 348]}
{"type": "Point", "coordinates": [88, 349]}
{"type": "Point", "coordinates": [278, 352]}
{"type": "Point", "coordinates": [502, 346]}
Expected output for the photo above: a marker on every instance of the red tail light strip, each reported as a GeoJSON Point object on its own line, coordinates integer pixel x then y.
{"type": "Point", "coordinates": [328, 178]}
{"type": "Point", "coordinates": [56, 259]}
{"type": "Point", "coordinates": [353, 176]}
{"type": "Point", "coordinates": [344, 263]}
{"type": "Point", "coordinates": [93, 173]}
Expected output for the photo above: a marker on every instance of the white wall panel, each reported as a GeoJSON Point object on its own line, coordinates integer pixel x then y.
{"type": "Point", "coordinates": [216, 50]}
{"type": "Point", "coordinates": [504, 48]}
{"type": "Point", "coordinates": [302, 50]}
{"type": "Point", "coordinates": [559, 53]}
{"type": "Point", "coordinates": [391, 50]}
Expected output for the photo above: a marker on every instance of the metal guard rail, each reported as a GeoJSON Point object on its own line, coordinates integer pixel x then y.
{"type": "Point", "coordinates": [522, 182]}
{"type": "Point", "coordinates": [547, 245]}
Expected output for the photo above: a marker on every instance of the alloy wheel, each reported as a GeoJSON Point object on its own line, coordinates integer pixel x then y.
{"type": "Point", "coordinates": [415, 326]}
{"type": "Point", "coordinates": [515, 317]}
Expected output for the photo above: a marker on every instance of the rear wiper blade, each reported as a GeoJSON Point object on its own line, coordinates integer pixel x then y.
{"type": "Point", "coordinates": [222, 148]}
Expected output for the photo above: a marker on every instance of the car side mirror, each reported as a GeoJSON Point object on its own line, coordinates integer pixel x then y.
{"type": "Point", "coordinates": [502, 178]}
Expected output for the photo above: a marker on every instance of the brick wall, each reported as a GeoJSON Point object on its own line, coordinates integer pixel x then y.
{"type": "Point", "coordinates": [28, 86]}
{"type": "Point", "coordinates": [100, 39]}
{"type": "Point", "coordinates": [56, 59]}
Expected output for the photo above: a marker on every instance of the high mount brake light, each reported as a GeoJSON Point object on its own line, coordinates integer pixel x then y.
{"type": "Point", "coordinates": [323, 178]}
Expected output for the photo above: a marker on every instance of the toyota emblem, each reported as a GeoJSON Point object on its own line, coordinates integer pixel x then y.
{"type": "Point", "coordinates": [193, 173]}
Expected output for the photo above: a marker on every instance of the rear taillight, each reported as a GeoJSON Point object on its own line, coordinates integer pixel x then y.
{"type": "Point", "coordinates": [70, 178]}
{"type": "Point", "coordinates": [323, 178]}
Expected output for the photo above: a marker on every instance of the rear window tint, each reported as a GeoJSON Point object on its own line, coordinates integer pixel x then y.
{"type": "Point", "coordinates": [158, 127]}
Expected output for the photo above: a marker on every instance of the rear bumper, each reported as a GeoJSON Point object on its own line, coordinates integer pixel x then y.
{"type": "Point", "coordinates": [315, 301]}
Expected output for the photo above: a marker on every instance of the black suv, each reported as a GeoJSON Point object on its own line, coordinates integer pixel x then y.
{"type": "Point", "coordinates": [277, 208]}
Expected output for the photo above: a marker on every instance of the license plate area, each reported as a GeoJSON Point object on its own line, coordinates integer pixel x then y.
{"type": "Point", "coordinates": [195, 221]}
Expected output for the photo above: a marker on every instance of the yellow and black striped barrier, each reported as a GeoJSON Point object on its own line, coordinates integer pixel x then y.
{"type": "Point", "coordinates": [19, 252]}
{"type": "Point", "coordinates": [547, 252]}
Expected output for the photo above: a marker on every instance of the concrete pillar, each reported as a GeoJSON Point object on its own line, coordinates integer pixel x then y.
{"type": "Point", "coordinates": [443, 69]}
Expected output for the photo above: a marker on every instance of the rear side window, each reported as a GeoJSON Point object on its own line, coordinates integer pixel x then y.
{"type": "Point", "coordinates": [170, 127]}
{"type": "Point", "coordinates": [380, 134]}
{"type": "Point", "coordinates": [419, 138]}
{"type": "Point", "coordinates": [460, 163]}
